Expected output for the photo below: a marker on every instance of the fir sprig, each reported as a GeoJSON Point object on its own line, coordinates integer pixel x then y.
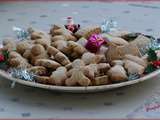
{"type": "Point", "coordinates": [150, 68]}
{"type": "Point", "coordinates": [152, 56]}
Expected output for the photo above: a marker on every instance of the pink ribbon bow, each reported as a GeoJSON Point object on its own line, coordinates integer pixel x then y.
{"type": "Point", "coordinates": [94, 43]}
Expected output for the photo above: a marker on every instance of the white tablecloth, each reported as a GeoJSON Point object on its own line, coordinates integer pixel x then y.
{"type": "Point", "coordinates": [139, 100]}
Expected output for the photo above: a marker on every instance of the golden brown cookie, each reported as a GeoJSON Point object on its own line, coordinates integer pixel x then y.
{"type": "Point", "coordinates": [78, 78]}
{"type": "Point", "coordinates": [44, 80]}
{"type": "Point", "coordinates": [38, 70]}
{"type": "Point", "coordinates": [60, 45]}
{"type": "Point", "coordinates": [102, 80]}
{"type": "Point", "coordinates": [9, 44]}
{"type": "Point", "coordinates": [117, 62]}
{"type": "Point", "coordinates": [59, 76]}
{"type": "Point", "coordinates": [117, 74]}
{"type": "Point", "coordinates": [136, 59]}
{"type": "Point", "coordinates": [87, 32]}
{"type": "Point", "coordinates": [57, 37]}
{"type": "Point", "coordinates": [52, 50]}
{"type": "Point", "coordinates": [47, 63]}
{"type": "Point", "coordinates": [16, 60]}
{"type": "Point", "coordinates": [133, 67]}
{"type": "Point", "coordinates": [141, 42]}
{"type": "Point", "coordinates": [115, 52]}
{"type": "Point", "coordinates": [37, 49]}
{"type": "Point", "coordinates": [22, 47]}
{"type": "Point", "coordinates": [62, 58]}
{"type": "Point", "coordinates": [43, 41]}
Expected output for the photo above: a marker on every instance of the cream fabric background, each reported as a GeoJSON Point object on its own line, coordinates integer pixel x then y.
{"type": "Point", "coordinates": [127, 102]}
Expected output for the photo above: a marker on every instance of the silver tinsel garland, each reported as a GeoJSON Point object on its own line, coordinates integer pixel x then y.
{"type": "Point", "coordinates": [22, 73]}
{"type": "Point", "coordinates": [108, 26]}
{"type": "Point", "coordinates": [133, 76]}
{"type": "Point", "coordinates": [21, 34]}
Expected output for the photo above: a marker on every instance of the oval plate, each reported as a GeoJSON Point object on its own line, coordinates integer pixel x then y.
{"type": "Point", "coordinates": [78, 89]}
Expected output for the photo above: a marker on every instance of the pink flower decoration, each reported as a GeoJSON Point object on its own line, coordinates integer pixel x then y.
{"type": "Point", "coordinates": [94, 43]}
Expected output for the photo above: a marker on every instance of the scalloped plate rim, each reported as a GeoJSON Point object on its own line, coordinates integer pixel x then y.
{"type": "Point", "coordinates": [79, 89]}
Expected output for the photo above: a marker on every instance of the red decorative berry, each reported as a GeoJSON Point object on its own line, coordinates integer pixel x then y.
{"type": "Point", "coordinates": [156, 63]}
{"type": "Point", "coordinates": [2, 58]}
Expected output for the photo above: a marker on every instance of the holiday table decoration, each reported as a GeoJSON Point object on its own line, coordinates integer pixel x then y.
{"type": "Point", "coordinates": [79, 58]}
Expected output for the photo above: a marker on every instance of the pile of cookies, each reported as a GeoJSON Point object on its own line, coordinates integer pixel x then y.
{"type": "Point", "coordinates": [62, 57]}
